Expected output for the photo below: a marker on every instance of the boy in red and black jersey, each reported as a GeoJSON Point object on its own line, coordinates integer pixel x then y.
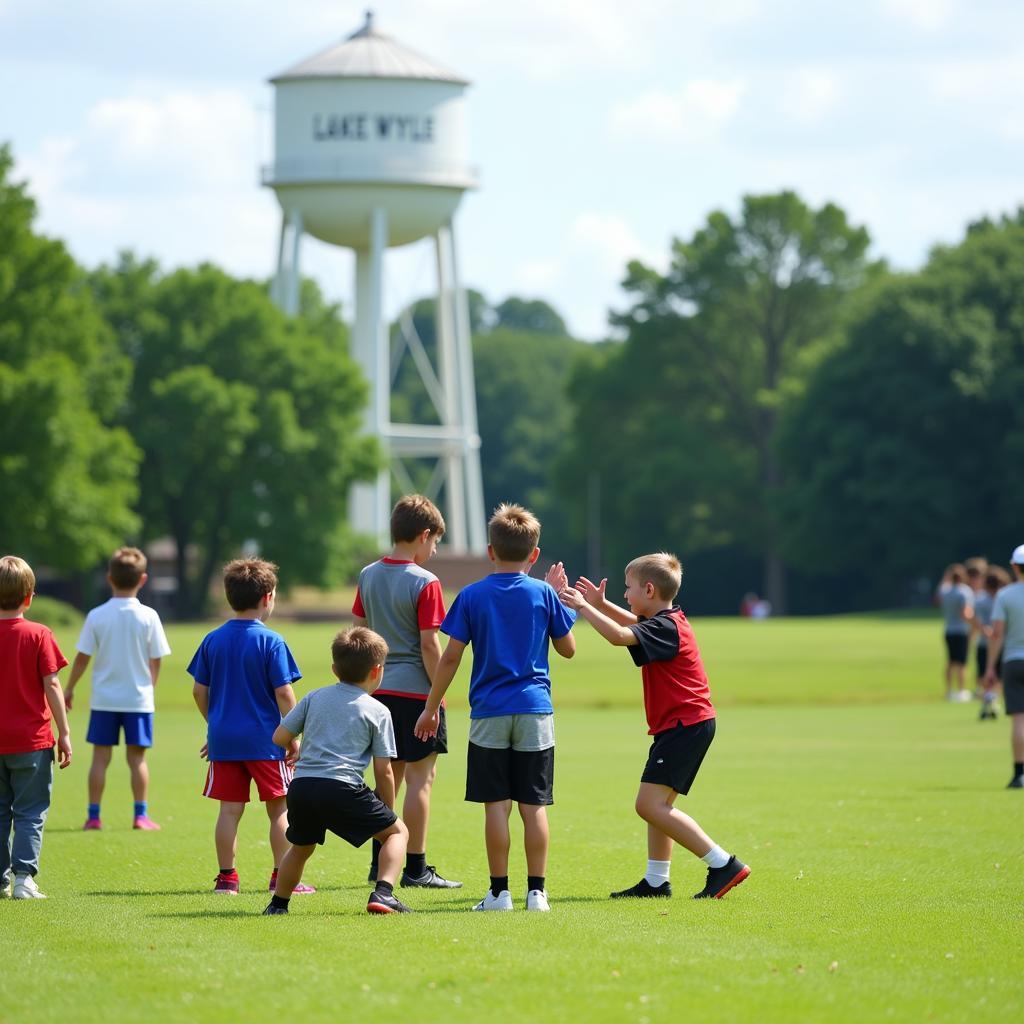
{"type": "Point", "coordinates": [680, 715]}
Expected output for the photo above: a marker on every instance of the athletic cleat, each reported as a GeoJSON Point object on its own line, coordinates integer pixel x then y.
{"type": "Point", "coordinates": [144, 823]}
{"type": "Point", "coordinates": [271, 910]}
{"type": "Point", "coordinates": [299, 890]}
{"type": "Point", "coordinates": [25, 888]}
{"type": "Point", "coordinates": [1017, 782]}
{"type": "Point", "coordinates": [92, 825]}
{"type": "Point", "coordinates": [430, 879]}
{"type": "Point", "coordinates": [721, 880]}
{"type": "Point", "coordinates": [225, 885]}
{"type": "Point", "coordinates": [384, 903]}
{"type": "Point", "coordinates": [643, 890]}
{"type": "Point", "coordinates": [537, 899]}
{"type": "Point", "coordinates": [503, 901]}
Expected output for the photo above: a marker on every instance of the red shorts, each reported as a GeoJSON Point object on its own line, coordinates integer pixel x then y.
{"type": "Point", "coordinates": [229, 780]}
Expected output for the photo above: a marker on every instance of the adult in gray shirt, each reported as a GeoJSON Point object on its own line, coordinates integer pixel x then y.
{"type": "Point", "coordinates": [343, 728]}
{"type": "Point", "coordinates": [957, 601]}
{"type": "Point", "coordinates": [1008, 638]}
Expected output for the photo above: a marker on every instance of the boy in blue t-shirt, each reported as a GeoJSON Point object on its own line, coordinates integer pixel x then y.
{"type": "Point", "coordinates": [243, 674]}
{"type": "Point", "coordinates": [508, 617]}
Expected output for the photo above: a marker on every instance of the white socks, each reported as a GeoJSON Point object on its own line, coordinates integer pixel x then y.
{"type": "Point", "coordinates": [716, 857]}
{"type": "Point", "coordinates": [657, 872]}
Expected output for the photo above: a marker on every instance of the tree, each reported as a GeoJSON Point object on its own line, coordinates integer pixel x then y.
{"type": "Point", "coordinates": [68, 475]}
{"type": "Point", "coordinates": [531, 316]}
{"type": "Point", "coordinates": [249, 421]}
{"type": "Point", "coordinates": [688, 409]}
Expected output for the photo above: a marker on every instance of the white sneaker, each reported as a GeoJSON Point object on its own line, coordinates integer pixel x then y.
{"type": "Point", "coordinates": [503, 901]}
{"type": "Point", "coordinates": [537, 899]}
{"type": "Point", "coordinates": [963, 697]}
{"type": "Point", "coordinates": [25, 888]}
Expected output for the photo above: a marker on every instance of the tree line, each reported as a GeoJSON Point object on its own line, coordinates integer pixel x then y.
{"type": "Point", "coordinates": [784, 411]}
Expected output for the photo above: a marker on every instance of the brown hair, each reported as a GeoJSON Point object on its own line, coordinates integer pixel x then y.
{"type": "Point", "coordinates": [513, 532]}
{"type": "Point", "coordinates": [17, 582]}
{"type": "Point", "coordinates": [247, 581]}
{"type": "Point", "coordinates": [956, 572]}
{"type": "Point", "coordinates": [127, 566]}
{"type": "Point", "coordinates": [412, 515]}
{"type": "Point", "coordinates": [356, 651]}
{"type": "Point", "coordinates": [996, 578]}
{"type": "Point", "coordinates": [662, 569]}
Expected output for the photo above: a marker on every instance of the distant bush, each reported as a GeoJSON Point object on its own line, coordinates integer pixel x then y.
{"type": "Point", "coordinates": [55, 614]}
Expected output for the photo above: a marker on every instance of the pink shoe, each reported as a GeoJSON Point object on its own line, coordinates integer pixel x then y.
{"type": "Point", "coordinates": [299, 890]}
{"type": "Point", "coordinates": [146, 824]}
{"type": "Point", "coordinates": [226, 885]}
{"type": "Point", "coordinates": [92, 825]}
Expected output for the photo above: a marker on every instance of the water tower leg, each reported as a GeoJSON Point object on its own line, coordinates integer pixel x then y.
{"type": "Point", "coordinates": [291, 297]}
{"type": "Point", "coordinates": [278, 287]}
{"type": "Point", "coordinates": [370, 503]}
{"type": "Point", "coordinates": [448, 367]}
{"type": "Point", "coordinates": [475, 511]}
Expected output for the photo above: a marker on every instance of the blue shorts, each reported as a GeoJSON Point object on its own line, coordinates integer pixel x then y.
{"type": "Point", "coordinates": [105, 728]}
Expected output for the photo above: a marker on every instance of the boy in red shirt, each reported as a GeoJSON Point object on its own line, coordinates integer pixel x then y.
{"type": "Point", "coordinates": [679, 713]}
{"type": "Point", "coordinates": [30, 695]}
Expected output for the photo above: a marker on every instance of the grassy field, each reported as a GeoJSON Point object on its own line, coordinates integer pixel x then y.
{"type": "Point", "coordinates": [887, 865]}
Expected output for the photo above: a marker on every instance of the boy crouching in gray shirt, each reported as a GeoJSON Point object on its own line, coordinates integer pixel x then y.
{"type": "Point", "coordinates": [342, 728]}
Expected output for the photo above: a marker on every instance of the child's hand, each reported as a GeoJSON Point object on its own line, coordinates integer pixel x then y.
{"type": "Point", "coordinates": [68, 694]}
{"type": "Point", "coordinates": [63, 751]}
{"type": "Point", "coordinates": [204, 751]}
{"type": "Point", "coordinates": [593, 593]}
{"type": "Point", "coordinates": [292, 753]}
{"type": "Point", "coordinates": [427, 725]}
{"type": "Point", "coordinates": [556, 578]}
{"type": "Point", "coordinates": [571, 598]}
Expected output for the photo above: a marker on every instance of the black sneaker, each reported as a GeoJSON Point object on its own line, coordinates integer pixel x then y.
{"type": "Point", "coordinates": [430, 879]}
{"type": "Point", "coordinates": [721, 880]}
{"type": "Point", "coordinates": [643, 890]}
{"type": "Point", "coordinates": [1017, 782]}
{"type": "Point", "coordinates": [384, 903]}
{"type": "Point", "coordinates": [272, 910]}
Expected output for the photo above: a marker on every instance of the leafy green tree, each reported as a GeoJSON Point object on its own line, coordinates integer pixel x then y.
{"type": "Point", "coordinates": [68, 476]}
{"type": "Point", "coordinates": [531, 316]}
{"type": "Point", "coordinates": [681, 423]}
{"type": "Point", "coordinates": [249, 421]}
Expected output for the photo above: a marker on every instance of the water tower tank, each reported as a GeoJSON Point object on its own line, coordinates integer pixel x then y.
{"type": "Point", "coordinates": [370, 152]}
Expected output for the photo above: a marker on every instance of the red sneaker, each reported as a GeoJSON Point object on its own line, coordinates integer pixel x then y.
{"type": "Point", "coordinates": [146, 824]}
{"type": "Point", "coordinates": [226, 885]}
{"type": "Point", "coordinates": [299, 890]}
{"type": "Point", "coordinates": [92, 825]}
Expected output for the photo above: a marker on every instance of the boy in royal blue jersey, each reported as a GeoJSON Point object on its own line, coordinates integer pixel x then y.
{"type": "Point", "coordinates": [509, 618]}
{"type": "Point", "coordinates": [243, 674]}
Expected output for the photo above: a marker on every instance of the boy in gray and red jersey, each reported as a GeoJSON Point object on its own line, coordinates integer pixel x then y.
{"type": "Point", "coordinates": [403, 602]}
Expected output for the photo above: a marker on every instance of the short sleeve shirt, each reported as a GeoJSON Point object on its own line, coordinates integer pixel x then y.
{"type": "Point", "coordinates": [675, 684]}
{"type": "Point", "coordinates": [123, 635]}
{"type": "Point", "coordinates": [954, 598]}
{"type": "Point", "coordinates": [243, 663]}
{"type": "Point", "coordinates": [342, 728]}
{"type": "Point", "coordinates": [28, 653]}
{"type": "Point", "coordinates": [509, 618]}
{"type": "Point", "coordinates": [1009, 609]}
{"type": "Point", "coordinates": [399, 599]}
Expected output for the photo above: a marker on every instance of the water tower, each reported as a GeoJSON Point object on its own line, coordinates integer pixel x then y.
{"type": "Point", "coordinates": [370, 152]}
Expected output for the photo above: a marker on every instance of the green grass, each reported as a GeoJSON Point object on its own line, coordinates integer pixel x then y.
{"type": "Point", "coordinates": [887, 865]}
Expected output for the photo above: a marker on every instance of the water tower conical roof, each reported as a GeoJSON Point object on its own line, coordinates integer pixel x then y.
{"type": "Point", "coordinates": [368, 53]}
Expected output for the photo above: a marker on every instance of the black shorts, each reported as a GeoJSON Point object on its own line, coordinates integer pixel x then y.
{"type": "Point", "coordinates": [981, 660]}
{"type": "Point", "coordinates": [1013, 686]}
{"type": "Point", "coordinates": [676, 755]}
{"type": "Point", "coordinates": [319, 806]}
{"type": "Point", "coordinates": [526, 776]}
{"type": "Point", "coordinates": [405, 712]}
{"type": "Point", "coordinates": [956, 648]}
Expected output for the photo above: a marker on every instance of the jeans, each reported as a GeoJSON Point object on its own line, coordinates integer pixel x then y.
{"type": "Point", "coordinates": [25, 783]}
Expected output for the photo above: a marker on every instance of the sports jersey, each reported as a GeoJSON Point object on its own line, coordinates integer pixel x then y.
{"type": "Point", "coordinates": [28, 653]}
{"type": "Point", "coordinates": [675, 683]}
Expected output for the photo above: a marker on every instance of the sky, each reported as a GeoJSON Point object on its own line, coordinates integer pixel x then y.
{"type": "Point", "coordinates": [602, 130]}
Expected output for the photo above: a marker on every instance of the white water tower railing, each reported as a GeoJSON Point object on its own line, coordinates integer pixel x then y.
{"type": "Point", "coordinates": [307, 171]}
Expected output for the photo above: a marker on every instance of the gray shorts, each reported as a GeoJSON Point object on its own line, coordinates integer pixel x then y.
{"type": "Point", "coordinates": [518, 732]}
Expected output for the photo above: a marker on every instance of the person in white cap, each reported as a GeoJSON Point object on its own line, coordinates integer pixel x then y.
{"type": "Point", "coordinates": [1008, 638]}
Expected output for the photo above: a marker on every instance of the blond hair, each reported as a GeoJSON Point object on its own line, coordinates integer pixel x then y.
{"type": "Point", "coordinates": [127, 566]}
{"type": "Point", "coordinates": [17, 582]}
{"type": "Point", "coordinates": [356, 651]}
{"type": "Point", "coordinates": [513, 532]}
{"type": "Point", "coordinates": [662, 569]}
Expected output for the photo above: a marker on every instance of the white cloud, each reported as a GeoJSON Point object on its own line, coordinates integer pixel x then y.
{"type": "Point", "coordinates": [695, 112]}
{"type": "Point", "coordinates": [927, 15]}
{"type": "Point", "coordinates": [809, 94]}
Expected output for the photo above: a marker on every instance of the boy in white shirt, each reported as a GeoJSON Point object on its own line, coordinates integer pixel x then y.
{"type": "Point", "coordinates": [128, 641]}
